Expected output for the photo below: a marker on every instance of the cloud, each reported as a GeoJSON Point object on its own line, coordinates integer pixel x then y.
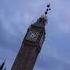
{"type": "Point", "coordinates": [60, 15]}
{"type": "Point", "coordinates": [16, 16]}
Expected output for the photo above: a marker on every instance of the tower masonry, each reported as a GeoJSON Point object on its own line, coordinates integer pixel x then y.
{"type": "Point", "coordinates": [31, 45]}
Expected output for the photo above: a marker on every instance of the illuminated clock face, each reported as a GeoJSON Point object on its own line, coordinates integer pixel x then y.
{"type": "Point", "coordinates": [32, 35]}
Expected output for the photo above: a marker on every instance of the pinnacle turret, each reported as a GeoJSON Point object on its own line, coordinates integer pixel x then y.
{"type": "Point", "coordinates": [42, 20]}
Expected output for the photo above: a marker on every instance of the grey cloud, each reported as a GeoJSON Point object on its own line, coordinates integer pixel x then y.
{"type": "Point", "coordinates": [16, 16]}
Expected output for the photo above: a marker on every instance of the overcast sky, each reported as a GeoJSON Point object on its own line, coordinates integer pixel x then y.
{"type": "Point", "coordinates": [15, 18]}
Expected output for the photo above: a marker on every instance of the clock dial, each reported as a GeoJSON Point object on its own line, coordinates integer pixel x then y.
{"type": "Point", "coordinates": [32, 35]}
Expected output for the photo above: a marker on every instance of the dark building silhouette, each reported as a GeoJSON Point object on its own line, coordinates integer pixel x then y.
{"type": "Point", "coordinates": [31, 45]}
{"type": "Point", "coordinates": [2, 66]}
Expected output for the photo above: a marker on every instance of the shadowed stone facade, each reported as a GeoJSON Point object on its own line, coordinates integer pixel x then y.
{"type": "Point", "coordinates": [31, 45]}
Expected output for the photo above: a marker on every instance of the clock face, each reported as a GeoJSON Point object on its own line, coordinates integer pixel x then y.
{"type": "Point", "coordinates": [32, 35]}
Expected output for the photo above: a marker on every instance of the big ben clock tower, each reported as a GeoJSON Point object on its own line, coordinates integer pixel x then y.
{"type": "Point", "coordinates": [31, 45]}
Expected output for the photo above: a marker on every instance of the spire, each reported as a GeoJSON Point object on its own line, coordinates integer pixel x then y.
{"type": "Point", "coordinates": [2, 66]}
{"type": "Point", "coordinates": [48, 9]}
{"type": "Point", "coordinates": [41, 21]}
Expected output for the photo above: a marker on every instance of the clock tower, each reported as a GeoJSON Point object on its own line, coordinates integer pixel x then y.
{"type": "Point", "coordinates": [31, 45]}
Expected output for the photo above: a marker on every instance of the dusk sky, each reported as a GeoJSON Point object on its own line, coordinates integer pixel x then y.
{"type": "Point", "coordinates": [15, 18]}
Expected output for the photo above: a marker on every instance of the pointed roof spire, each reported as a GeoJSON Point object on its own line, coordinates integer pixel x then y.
{"type": "Point", "coordinates": [41, 21]}
{"type": "Point", "coordinates": [48, 9]}
{"type": "Point", "coordinates": [1, 67]}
